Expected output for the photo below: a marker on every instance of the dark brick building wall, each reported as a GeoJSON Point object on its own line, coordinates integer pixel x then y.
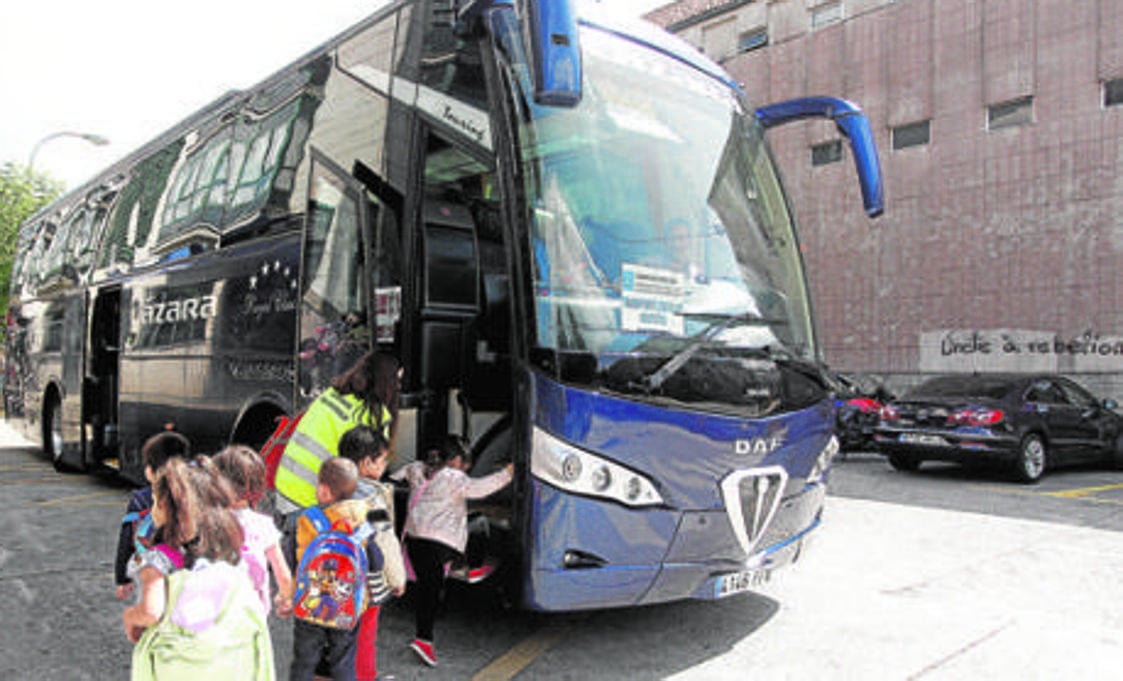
{"type": "Point", "coordinates": [1000, 248]}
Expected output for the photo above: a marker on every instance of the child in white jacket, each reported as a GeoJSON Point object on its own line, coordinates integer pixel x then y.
{"type": "Point", "coordinates": [436, 530]}
{"type": "Point", "coordinates": [370, 451]}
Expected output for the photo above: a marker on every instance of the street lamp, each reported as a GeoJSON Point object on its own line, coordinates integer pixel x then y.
{"type": "Point", "coordinates": [89, 137]}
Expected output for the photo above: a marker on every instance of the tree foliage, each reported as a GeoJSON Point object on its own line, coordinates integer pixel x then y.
{"type": "Point", "coordinates": [22, 192]}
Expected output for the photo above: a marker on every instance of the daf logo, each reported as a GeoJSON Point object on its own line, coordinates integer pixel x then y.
{"type": "Point", "coordinates": [759, 446]}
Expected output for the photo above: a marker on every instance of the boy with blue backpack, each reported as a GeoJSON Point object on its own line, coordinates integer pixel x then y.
{"type": "Point", "coordinates": [333, 549]}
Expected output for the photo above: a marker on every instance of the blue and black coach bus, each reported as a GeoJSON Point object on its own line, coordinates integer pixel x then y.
{"type": "Point", "coordinates": [569, 228]}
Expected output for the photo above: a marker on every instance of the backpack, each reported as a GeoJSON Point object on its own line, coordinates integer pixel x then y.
{"type": "Point", "coordinates": [144, 532]}
{"type": "Point", "coordinates": [331, 589]}
{"type": "Point", "coordinates": [212, 627]}
{"type": "Point", "coordinates": [274, 447]}
{"type": "Point", "coordinates": [384, 545]}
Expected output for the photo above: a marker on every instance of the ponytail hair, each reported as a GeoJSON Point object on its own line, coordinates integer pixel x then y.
{"type": "Point", "coordinates": [196, 501]}
{"type": "Point", "coordinates": [451, 447]}
{"type": "Point", "coordinates": [175, 493]}
{"type": "Point", "coordinates": [219, 534]}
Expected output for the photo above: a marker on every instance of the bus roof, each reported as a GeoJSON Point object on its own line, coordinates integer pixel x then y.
{"type": "Point", "coordinates": [591, 14]}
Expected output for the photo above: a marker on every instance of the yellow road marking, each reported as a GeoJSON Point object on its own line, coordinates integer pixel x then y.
{"type": "Point", "coordinates": [1082, 491]}
{"type": "Point", "coordinates": [1004, 490]}
{"type": "Point", "coordinates": [522, 655]}
{"type": "Point", "coordinates": [77, 497]}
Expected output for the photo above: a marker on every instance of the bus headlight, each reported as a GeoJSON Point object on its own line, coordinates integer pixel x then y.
{"type": "Point", "coordinates": [823, 461]}
{"type": "Point", "coordinates": [575, 470]}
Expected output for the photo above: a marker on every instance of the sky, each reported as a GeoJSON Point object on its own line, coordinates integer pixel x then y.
{"type": "Point", "coordinates": [127, 70]}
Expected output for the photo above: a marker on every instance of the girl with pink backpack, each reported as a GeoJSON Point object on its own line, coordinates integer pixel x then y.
{"type": "Point", "coordinates": [198, 615]}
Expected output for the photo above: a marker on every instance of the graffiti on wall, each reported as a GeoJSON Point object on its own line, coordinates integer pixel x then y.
{"type": "Point", "coordinates": [948, 350]}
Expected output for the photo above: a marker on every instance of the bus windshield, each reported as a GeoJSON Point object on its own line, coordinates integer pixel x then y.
{"type": "Point", "coordinates": [657, 216]}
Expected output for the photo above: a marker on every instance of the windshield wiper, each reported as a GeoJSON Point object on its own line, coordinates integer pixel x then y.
{"type": "Point", "coordinates": [657, 378]}
{"type": "Point", "coordinates": [784, 357]}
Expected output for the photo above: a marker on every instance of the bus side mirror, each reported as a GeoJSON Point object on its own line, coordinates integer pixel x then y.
{"type": "Point", "coordinates": [852, 124]}
{"type": "Point", "coordinates": [550, 33]}
{"type": "Point", "coordinates": [548, 30]}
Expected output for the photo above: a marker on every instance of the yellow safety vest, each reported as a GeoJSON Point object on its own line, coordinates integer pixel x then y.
{"type": "Point", "coordinates": [315, 441]}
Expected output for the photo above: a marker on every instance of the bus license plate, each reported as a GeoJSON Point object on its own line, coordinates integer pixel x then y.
{"type": "Point", "coordinates": [736, 582]}
{"type": "Point", "coordinates": [921, 439]}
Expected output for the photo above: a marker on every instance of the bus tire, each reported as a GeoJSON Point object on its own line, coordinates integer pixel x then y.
{"type": "Point", "coordinates": [256, 425]}
{"type": "Point", "coordinates": [52, 431]}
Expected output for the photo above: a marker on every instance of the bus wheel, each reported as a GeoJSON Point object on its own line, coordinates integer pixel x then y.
{"type": "Point", "coordinates": [256, 426]}
{"type": "Point", "coordinates": [52, 431]}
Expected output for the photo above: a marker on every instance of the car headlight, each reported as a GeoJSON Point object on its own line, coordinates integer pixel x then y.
{"type": "Point", "coordinates": [823, 461]}
{"type": "Point", "coordinates": [576, 470]}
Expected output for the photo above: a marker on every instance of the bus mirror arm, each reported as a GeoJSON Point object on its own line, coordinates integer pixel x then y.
{"type": "Point", "coordinates": [852, 124]}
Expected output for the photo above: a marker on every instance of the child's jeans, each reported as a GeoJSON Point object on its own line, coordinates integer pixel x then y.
{"type": "Point", "coordinates": [310, 642]}
{"type": "Point", "coordinates": [366, 653]}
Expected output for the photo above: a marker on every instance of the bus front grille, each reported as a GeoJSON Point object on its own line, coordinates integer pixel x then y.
{"type": "Point", "coordinates": [751, 498]}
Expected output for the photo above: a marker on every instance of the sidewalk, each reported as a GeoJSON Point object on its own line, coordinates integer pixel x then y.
{"type": "Point", "coordinates": [10, 438]}
{"type": "Point", "coordinates": [900, 592]}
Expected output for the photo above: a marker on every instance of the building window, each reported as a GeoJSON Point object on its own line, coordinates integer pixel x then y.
{"type": "Point", "coordinates": [751, 40]}
{"type": "Point", "coordinates": [827, 152]}
{"type": "Point", "coordinates": [911, 135]}
{"type": "Point", "coordinates": [1014, 112]}
{"type": "Point", "coordinates": [825, 15]}
{"type": "Point", "coordinates": [1113, 92]}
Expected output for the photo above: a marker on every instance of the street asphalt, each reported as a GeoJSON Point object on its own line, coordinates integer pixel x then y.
{"type": "Point", "coordinates": [884, 591]}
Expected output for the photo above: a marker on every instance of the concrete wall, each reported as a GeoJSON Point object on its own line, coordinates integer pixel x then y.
{"type": "Point", "coordinates": [1006, 238]}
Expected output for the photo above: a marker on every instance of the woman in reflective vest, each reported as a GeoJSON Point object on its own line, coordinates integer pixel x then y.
{"type": "Point", "coordinates": [366, 394]}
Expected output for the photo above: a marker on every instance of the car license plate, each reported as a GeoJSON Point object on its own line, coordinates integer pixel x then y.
{"type": "Point", "coordinates": [922, 439]}
{"type": "Point", "coordinates": [736, 582]}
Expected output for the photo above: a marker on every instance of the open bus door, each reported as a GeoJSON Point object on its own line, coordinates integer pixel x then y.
{"type": "Point", "coordinates": [100, 389]}
{"type": "Point", "coordinates": [461, 359]}
{"type": "Point", "coordinates": [334, 319]}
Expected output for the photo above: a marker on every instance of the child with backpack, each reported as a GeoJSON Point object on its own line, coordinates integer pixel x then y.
{"type": "Point", "coordinates": [370, 451]}
{"type": "Point", "coordinates": [204, 619]}
{"type": "Point", "coordinates": [261, 550]}
{"type": "Point", "coordinates": [332, 547]}
{"type": "Point", "coordinates": [436, 531]}
{"type": "Point", "coordinates": [137, 528]}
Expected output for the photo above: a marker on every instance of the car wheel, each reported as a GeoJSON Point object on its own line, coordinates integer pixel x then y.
{"type": "Point", "coordinates": [52, 432]}
{"type": "Point", "coordinates": [904, 462]}
{"type": "Point", "coordinates": [1030, 464]}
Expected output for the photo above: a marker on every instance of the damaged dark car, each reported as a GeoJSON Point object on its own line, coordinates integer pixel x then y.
{"type": "Point", "coordinates": [1026, 423]}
